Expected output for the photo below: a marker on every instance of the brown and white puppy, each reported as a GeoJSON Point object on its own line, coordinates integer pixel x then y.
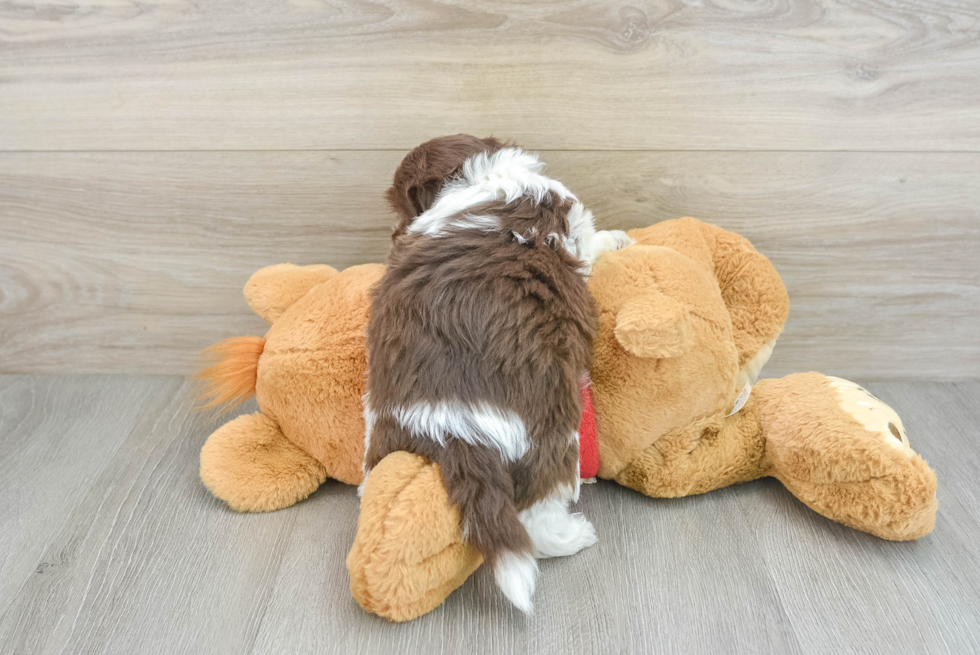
{"type": "Point", "coordinates": [480, 333]}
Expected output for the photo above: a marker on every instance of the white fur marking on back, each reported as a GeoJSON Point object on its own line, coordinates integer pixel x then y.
{"type": "Point", "coordinates": [507, 174]}
{"type": "Point", "coordinates": [369, 418]}
{"type": "Point", "coordinates": [483, 222]}
{"type": "Point", "coordinates": [478, 425]}
{"type": "Point", "coordinates": [515, 575]}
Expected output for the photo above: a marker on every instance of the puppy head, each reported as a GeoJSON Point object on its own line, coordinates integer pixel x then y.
{"type": "Point", "coordinates": [425, 170]}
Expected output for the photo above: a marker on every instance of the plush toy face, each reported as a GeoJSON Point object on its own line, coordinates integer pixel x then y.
{"type": "Point", "coordinates": [664, 355]}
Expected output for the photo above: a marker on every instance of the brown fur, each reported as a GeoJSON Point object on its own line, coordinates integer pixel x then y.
{"type": "Point", "coordinates": [423, 172]}
{"type": "Point", "coordinates": [480, 317]}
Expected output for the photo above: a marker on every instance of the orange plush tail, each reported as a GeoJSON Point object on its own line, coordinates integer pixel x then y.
{"type": "Point", "coordinates": [230, 381]}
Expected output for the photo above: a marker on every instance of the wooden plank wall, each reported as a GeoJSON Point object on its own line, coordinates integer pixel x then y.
{"type": "Point", "coordinates": [153, 155]}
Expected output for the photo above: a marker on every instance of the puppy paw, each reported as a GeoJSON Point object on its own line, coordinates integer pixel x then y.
{"type": "Point", "coordinates": [610, 240]}
{"type": "Point", "coordinates": [601, 243]}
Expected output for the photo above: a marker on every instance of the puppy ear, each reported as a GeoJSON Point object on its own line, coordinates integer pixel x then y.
{"type": "Point", "coordinates": [422, 174]}
{"type": "Point", "coordinates": [654, 325]}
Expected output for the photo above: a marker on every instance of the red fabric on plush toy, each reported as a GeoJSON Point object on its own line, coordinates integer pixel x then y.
{"type": "Point", "coordinates": [588, 443]}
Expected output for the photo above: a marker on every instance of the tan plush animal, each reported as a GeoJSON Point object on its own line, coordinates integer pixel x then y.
{"type": "Point", "coordinates": [689, 315]}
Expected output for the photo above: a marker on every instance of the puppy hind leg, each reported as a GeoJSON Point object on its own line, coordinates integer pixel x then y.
{"type": "Point", "coordinates": [554, 530]}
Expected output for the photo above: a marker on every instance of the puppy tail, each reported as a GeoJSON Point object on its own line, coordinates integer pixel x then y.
{"type": "Point", "coordinates": [482, 488]}
{"type": "Point", "coordinates": [515, 574]}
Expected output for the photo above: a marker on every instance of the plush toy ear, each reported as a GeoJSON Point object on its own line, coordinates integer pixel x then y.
{"type": "Point", "coordinates": [653, 325]}
{"type": "Point", "coordinates": [423, 172]}
{"type": "Point", "coordinates": [271, 290]}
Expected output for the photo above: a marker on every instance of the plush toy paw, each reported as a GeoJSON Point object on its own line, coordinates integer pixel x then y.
{"type": "Point", "coordinates": [252, 466]}
{"type": "Point", "coordinates": [846, 455]}
{"type": "Point", "coordinates": [409, 553]}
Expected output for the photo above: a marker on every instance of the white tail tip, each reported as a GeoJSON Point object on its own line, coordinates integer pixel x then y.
{"type": "Point", "coordinates": [515, 574]}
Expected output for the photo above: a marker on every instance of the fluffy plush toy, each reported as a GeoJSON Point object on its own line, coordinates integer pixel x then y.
{"type": "Point", "coordinates": [689, 315]}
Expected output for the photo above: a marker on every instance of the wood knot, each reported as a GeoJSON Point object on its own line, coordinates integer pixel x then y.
{"type": "Point", "coordinates": [634, 30]}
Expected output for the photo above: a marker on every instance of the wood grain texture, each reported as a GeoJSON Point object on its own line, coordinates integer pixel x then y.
{"type": "Point", "coordinates": [145, 561]}
{"type": "Point", "coordinates": [57, 436]}
{"type": "Point", "coordinates": [133, 262]}
{"type": "Point", "coordinates": [180, 572]}
{"type": "Point", "coordinates": [660, 74]}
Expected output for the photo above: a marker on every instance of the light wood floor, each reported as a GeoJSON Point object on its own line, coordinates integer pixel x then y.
{"type": "Point", "coordinates": [154, 154]}
{"type": "Point", "coordinates": [110, 544]}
